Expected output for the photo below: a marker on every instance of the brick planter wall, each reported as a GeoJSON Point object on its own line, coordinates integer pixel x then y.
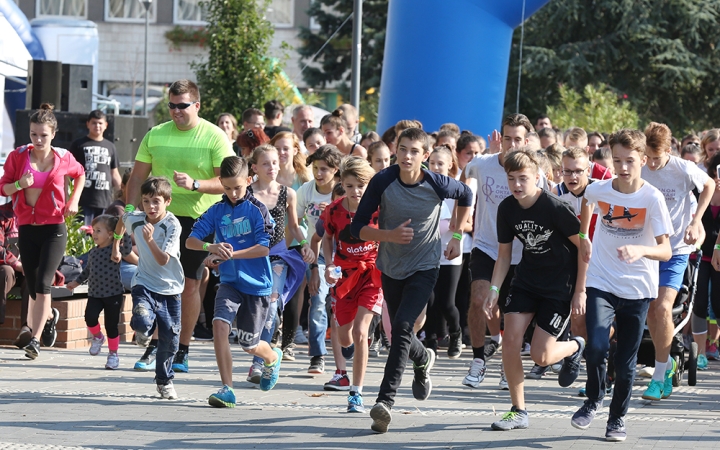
{"type": "Point", "coordinates": [71, 328]}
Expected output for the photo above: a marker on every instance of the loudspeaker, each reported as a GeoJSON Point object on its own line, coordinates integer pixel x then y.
{"type": "Point", "coordinates": [126, 132]}
{"type": "Point", "coordinates": [44, 83]}
{"type": "Point", "coordinates": [77, 84]}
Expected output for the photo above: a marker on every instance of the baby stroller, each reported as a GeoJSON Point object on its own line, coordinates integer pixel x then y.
{"type": "Point", "coordinates": [682, 309]}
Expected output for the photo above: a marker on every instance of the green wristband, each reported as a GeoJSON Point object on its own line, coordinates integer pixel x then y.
{"type": "Point", "coordinates": [129, 208]}
{"type": "Point", "coordinates": [117, 236]}
{"type": "Point", "coordinates": [717, 247]}
{"type": "Point", "coordinates": [17, 185]}
{"type": "Point", "coordinates": [205, 246]}
{"type": "Point", "coordinates": [457, 236]}
{"type": "Point", "coordinates": [303, 242]}
{"type": "Point", "coordinates": [494, 289]}
{"type": "Point", "coordinates": [582, 235]}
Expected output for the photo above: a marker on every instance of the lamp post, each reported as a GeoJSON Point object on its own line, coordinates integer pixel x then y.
{"type": "Point", "coordinates": [146, 4]}
{"type": "Point", "coordinates": [356, 53]}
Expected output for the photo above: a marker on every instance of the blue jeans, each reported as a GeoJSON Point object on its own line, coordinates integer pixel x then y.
{"type": "Point", "coordinates": [148, 308]}
{"type": "Point", "coordinates": [317, 314]}
{"type": "Point", "coordinates": [629, 315]}
{"type": "Point", "coordinates": [127, 272]}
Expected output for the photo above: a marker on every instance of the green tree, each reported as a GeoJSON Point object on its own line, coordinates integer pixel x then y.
{"type": "Point", "coordinates": [333, 64]}
{"type": "Point", "coordinates": [596, 109]}
{"type": "Point", "coordinates": [238, 73]}
{"type": "Point", "coordinates": [661, 54]}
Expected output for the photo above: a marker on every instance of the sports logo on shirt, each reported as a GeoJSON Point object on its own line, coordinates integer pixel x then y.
{"type": "Point", "coordinates": [622, 221]}
{"type": "Point", "coordinates": [234, 227]}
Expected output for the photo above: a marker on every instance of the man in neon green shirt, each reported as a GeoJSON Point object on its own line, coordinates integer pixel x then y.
{"type": "Point", "coordinates": [187, 150]}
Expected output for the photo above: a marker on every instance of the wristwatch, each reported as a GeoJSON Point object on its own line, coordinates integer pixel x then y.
{"type": "Point", "coordinates": [196, 185]}
{"type": "Point", "coordinates": [313, 266]}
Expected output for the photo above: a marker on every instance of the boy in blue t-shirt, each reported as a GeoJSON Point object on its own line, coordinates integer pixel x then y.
{"type": "Point", "coordinates": [242, 227]}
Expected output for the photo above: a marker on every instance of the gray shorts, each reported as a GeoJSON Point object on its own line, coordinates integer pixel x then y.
{"type": "Point", "coordinates": [251, 312]}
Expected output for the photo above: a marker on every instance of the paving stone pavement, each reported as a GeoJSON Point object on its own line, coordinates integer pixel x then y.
{"type": "Point", "coordinates": [67, 400]}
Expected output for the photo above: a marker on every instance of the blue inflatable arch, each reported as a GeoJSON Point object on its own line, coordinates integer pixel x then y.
{"type": "Point", "coordinates": [447, 61]}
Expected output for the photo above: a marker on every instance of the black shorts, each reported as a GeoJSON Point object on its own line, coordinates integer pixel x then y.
{"type": "Point", "coordinates": [551, 313]}
{"type": "Point", "coordinates": [191, 260]}
{"type": "Point", "coordinates": [251, 312]}
{"type": "Point", "coordinates": [481, 268]}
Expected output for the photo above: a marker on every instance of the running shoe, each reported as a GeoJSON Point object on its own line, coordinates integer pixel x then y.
{"type": "Point", "coordinates": [571, 365]}
{"type": "Point", "coordinates": [355, 403]}
{"type": "Point", "coordinates": [537, 372]}
{"type": "Point", "coordinates": [582, 392]}
{"type": "Point", "coordinates": [585, 415]}
{"type": "Point", "coordinates": [503, 384]}
{"type": "Point", "coordinates": [300, 337]}
{"type": "Point", "coordinates": [381, 416]}
{"type": "Point", "coordinates": [181, 361]}
{"type": "Point", "coordinates": [476, 373]}
{"type": "Point", "coordinates": [422, 384]}
{"type": "Point", "coordinates": [702, 362]}
{"type": "Point", "coordinates": [167, 391]}
{"type": "Point", "coordinates": [113, 361]}
{"type": "Point", "coordinates": [712, 352]}
{"type": "Point", "coordinates": [49, 333]}
{"type": "Point", "coordinates": [289, 353]}
{"type": "Point", "coordinates": [645, 372]}
{"type": "Point", "coordinates": [525, 350]}
{"type": "Point", "coordinates": [233, 336]}
{"type": "Point", "coordinates": [317, 365]}
{"type": "Point", "coordinates": [200, 333]}
{"type": "Point", "coordinates": [491, 348]}
{"type": "Point", "coordinates": [338, 382]}
{"type": "Point", "coordinates": [23, 337]}
{"type": "Point", "coordinates": [224, 398]}
{"type": "Point", "coordinates": [141, 339]}
{"type": "Point", "coordinates": [255, 373]}
{"type": "Point", "coordinates": [668, 384]}
{"type": "Point", "coordinates": [515, 419]}
{"type": "Point", "coordinates": [348, 352]}
{"type": "Point", "coordinates": [557, 367]}
{"type": "Point", "coordinates": [147, 360]}
{"type": "Point", "coordinates": [375, 348]}
{"type": "Point", "coordinates": [271, 373]}
{"type": "Point", "coordinates": [96, 344]}
{"type": "Point", "coordinates": [615, 430]}
{"type": "Point", "coordinates": [654, 390]}
{"type": "Point", "coordinates": [455, 346]}
{"type": "Point", "coordinates": [32, 350]}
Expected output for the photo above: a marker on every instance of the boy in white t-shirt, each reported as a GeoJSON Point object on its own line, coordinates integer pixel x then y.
{"type": "Point", "coordinates": [676, 179]}
{"type": "Point", "coordinates": [631, 235]}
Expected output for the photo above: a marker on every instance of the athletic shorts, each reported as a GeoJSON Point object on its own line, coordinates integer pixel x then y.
{"type": "Point", "coordinates": [481, 268]}
{"type": "Point", "coordinates": [673, 271]}
{"type": "Point", "coordinates": [251, 312]}
{"type": "Point", "coordinates": [191, 260]}
{"type": "Point", "coordinates": [551, 313]}
{"type": "Point", "coordinates": [364, 294]}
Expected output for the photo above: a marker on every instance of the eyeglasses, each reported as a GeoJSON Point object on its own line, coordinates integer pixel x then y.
{"type": "Point", "coordinates": [577, 173]}
{"type": "Point", "coordinates": [172, 105]}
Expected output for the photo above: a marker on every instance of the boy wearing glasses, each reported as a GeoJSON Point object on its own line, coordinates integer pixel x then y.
{"type": "Point", "coordinates": [187, 150]}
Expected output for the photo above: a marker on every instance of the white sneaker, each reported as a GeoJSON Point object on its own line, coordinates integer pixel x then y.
{"type": "Point", "coordinates": [96, 344]}
{"type": "Point", "coordinates": [300, 337]}
{"type": "Point", "coordinates": [503, 385]}
{"type": "Point", "coordinates": [113, 362]}
{"type": "Point", "coordinates": [167, 391]}
{"type": "Point", "coordinates": [646, 372]}
{"type": "Point", "coordinates": [255, 373]}
{"type": "Point", "coordinates": [476, 373]}
{"type": "Point", "coordinates": [525, 350]}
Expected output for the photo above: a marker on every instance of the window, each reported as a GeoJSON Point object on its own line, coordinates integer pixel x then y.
{"type": "Point", "coordinates": [69, 8]}
{"type": "Point", "coordinates": [128, 11]}
{"type": "Point", "coordinates": [189, 12]}
{"type": "Point", "coordinates": [281, 13]}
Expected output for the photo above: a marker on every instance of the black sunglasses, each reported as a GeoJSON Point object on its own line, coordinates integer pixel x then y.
{"type": "Point", "coordinates": [172, 105]}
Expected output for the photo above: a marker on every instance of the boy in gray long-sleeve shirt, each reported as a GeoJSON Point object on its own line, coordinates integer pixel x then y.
{"type": "Point", "coordinates": [410, 199]}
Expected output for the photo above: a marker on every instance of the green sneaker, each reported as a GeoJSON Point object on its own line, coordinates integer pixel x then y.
{"type": "Point", "coordinates": [654, 391]}
{"type": "Point", "coordinates": [668, 387]}
{"type": "Point", "coordinates": [702, 362]}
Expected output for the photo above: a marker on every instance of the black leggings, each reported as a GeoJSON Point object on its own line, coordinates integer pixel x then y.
{"type": "Point", "coordinates": [706, 276]}
{"type": "Point", "coordinates": [112, 306]}
{"type": "Point", "coordinates": [41, 250]}
{"type": "Point", "coordinates": [442, 303]}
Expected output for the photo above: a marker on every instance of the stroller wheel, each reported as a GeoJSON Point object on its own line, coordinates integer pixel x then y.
{"type": "Point", "coordinates": [692, 364]}
{"type": "Point", "coordinates": [680, 371]}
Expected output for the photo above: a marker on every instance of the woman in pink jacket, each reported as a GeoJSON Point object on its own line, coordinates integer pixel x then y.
{"type": "Point", "coordinates": [35, 178]}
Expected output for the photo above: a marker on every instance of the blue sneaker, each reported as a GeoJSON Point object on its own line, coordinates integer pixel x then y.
{"type": "Point", "coordinates": [348, 352]}
{"type": "Point", "coordinates": [355, 403]}
{"type": "Point", "coordinates": [702, 362]}
{"type": "Point", "coordinates": [147, 361]}
{"type": "Point", "coordinates": [667, 385]}
{"type": "Point", "coordinates": [582, 392]}
{"type": "Point", "coordinates": [654, 390]}
{"type": "Point", "coordinates": [224, 398]}
{"type": "Point", "coordinates": [180, 363]}
{"type": "Point", "coordinates": [270, 374]}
